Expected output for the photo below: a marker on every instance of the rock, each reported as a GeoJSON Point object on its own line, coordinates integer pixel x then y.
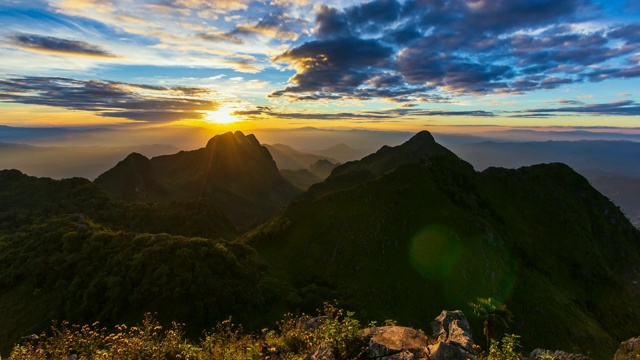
{"type": "Point", "coordinates": [322, 353]}
{"type": "Point", "coordinates": [453, 327]}
{"type": "Point", "coordinates": [556, 355]}
{"type": "Point", "coordinates": [396, 343]}
{"type": "Point", "coordinates": [448, 351]}
{"type": "Point", "coordinates": [628, 350]}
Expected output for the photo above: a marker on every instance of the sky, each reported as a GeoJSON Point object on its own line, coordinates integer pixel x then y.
{"type": "Point", "coordinates": [382, 64]}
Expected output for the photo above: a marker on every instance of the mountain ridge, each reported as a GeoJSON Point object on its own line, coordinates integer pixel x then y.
{"type": "Point", "coordinates": [522, 236]}
{"type": "Point", "coordinates": [233, 170]}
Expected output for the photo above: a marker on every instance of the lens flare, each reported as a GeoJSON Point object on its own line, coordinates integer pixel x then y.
{"type": "Point", "coordinates": [434, 251]}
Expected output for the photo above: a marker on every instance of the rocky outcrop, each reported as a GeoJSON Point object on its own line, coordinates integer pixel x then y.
{"type": "Point", "coordinates": [396, 343]}
{"type": "Point", "coordinates": [453, 327]}
{"type": "Point", "coordinates": [557, 355]}
{"type": "Point", "coordinates": [453, 334]}
{"type": "Point", "coordinates": [628, 350]}
{"type": "Point", "coordinates": [452, 340]}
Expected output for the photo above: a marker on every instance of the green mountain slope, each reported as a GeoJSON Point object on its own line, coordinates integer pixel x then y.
{"type": "Point", "coordinates": [417, 149]}
{"type": "Point", "coordinates": [233, 171]}
{"type": "Point", "coordinates": [435, 234]}
{"type": "Point", "coordinates": [25, 200]}
{"type": "Point", "coordinates": [70, 252]}
{"type": "Point", "coordinates": [70, 268]}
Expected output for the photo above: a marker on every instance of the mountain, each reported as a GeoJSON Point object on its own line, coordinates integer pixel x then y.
{"type": "Point", "coordinates": [25, 200]}
{"type": "Point", "coordinates": [233, 171]}
{"type": "Point", "coordinates": [322, 168]}
{"type": "Point", "coordinates": [417, 149]}
{"type": "Point", "coordinates": [287, 158]}
{"type": "Point", "coordinates": [623, 191]}
{"type": "Point", "coordinates": [60, 162]}
{"type": "Point", "coordinates": [588, 157]}
{"type": "Point", "coordinates": [605, 163]}
{"type": "Point", "coordinates": [413, 229]}
{"type": "Point", "coordinates": [70, 252]}
{"type": "Point", "coordinates": [341, 152]}
{"type": "Point", "coordinates": [303, 179]}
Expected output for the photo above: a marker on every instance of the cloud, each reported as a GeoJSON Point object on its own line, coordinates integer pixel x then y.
{"type": "Point", "coordinates": [568, 102]}
{"type": "Point", "coordinates": [267, 112]}
{"type": "Point", "coordinates": [55, 45]}
{"type": "Point", "coordinates": [273, 25]}
{"type": "Point", "coordinates": [219, 37]}
{"type": "Point", "coordinates": [617, 108]}
{"type": "Point", "coordinates": [427, 48]}
{"type": "Point", "coordinates": [110, 99]}
{"type": "Point", "coordinates": [335, 66]}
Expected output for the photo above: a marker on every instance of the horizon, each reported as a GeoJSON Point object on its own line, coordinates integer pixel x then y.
{"type": "Point", "coordinates": [451, 66]}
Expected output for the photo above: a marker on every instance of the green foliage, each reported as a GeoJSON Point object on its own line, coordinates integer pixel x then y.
{"type": "Point", "coordinates": [505, 349]}
{"type": "Point", "coordinates": [495, 315]}
{"type": "Point", "coordinates": [226, 341]}
{"type": "Point", "coordinates": [304, 334]}
{"type": "Point", "coordinates": [78, 270]}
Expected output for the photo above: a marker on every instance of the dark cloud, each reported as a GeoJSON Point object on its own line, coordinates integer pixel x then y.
{"type": "Point", "coordinates": [106, 98]}
{"type": "Point", "coordinates": [375, 16]}
{"type": "Point", "coordinates": [266, 111]}
{"type": "Point", "coordinates": [629, 33]}
{"type": "Point", "coordinates": [612, 73]}
{"type": "Point", "coordinates": [386, 115]}
{"type": "Point", "coordinates": [619, 108]}
{"type": "Point", "coordinates": [404, 111]}
{"type": "Point", "coordinates": [331, 23]}
{"type": "Point", "coordinates": [56, 45]}
{"type": "Point", "coordinates": [334, 66]}
{"type": "Point", "coordinates": [414, 49]}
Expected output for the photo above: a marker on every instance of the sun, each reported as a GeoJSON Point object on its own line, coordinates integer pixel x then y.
{"type": "Point", "coordinates": [223, 115]}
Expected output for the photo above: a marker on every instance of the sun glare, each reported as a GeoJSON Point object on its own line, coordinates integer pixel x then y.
{"type": "Point", "coordinates": [224, 115]}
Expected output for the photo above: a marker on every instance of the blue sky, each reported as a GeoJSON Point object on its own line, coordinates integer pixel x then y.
{"type": "Point", "coordinates": [377, 64]}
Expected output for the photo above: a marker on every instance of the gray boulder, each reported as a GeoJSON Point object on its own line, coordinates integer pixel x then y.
{"type": "Point", "coordinates": [452, 329]}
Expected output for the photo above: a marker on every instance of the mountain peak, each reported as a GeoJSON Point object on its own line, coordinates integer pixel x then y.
{"type": "Point", "coordinates": [234, 170]}
{"type": "Point", "coordinates": [422, 137]}
{"type": "Point", "coordinates": [418, 148]}
{"type": "Point", "coordinates": [134, 156]}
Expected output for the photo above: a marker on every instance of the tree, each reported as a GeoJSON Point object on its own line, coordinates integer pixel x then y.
{"type": "Point", "coordinates": [493, 314]}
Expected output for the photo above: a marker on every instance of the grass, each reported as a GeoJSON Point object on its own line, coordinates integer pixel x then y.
{"type": "Point", "coordinates": [295, 337]}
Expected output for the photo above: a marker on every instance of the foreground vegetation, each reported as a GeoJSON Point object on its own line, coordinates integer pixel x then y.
{"type": "Point", "coordinates": [333, 331]}
{"type": "Point", "coordinates": [295, 337]}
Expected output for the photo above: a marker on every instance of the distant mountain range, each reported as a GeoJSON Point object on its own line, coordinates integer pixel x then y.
{"type": "Point", "coordinates": [611, 166]}
{"type": "Point", "coordinates": [60, 162]}
{"type": "Point", "coordinates": [401, 234]}
{"type": "Point", "coordinates": [342, 152]}
{"type": "Point", "coordinates": [287, 158]}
